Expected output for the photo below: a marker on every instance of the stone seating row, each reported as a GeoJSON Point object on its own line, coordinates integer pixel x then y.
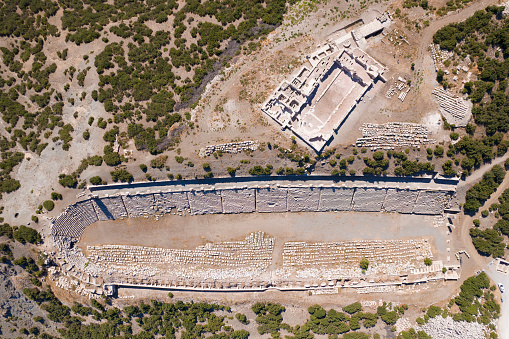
{"type": "Point", "coordinates": [73, 221]}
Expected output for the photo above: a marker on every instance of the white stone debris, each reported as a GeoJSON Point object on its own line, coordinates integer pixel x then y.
{"type": "Point", "coordinates": [231, 147]}
{"type": "Point", "coordinates": [446, 328]}
{"type": "Point", "coordinates": [394, 134]}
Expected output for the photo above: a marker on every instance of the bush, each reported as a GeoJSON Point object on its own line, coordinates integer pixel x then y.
{"type": "Point", "coordinates": [353, 308]}
{"type": "Point", "coordinates": [56, 196]}
{"type": "Point", "coordinates": [242, 318]}
{"type": "Point", "coordinates": [97, 180]}
{"type": "Point", "coordinates": [112, 158]}
{"type": "Point", "coordinates": [143, 168]}
{"type": "Point", "coordinates": [48, 205]}
{"type": "Point", "coordinates": [477, 222]}
{"type": "Point", "coordinates": [86, 135]}
{"type": "Point", "coordinates": [232, 170]}
{"type": "Point", "coordinates": [121, 175]}
{"type": "Point", "coordinates": [454, 136]}
{"type": "Point", "coordinates": [67, 180]}
{"type": "Point", "coordinates": [159, 161]}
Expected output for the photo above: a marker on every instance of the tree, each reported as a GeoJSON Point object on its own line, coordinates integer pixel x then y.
{"type": "Point", "coordinates": [428, 262]}
{"type": "Point", "coordinates": [26, 234]}
{"type": "Point", "coordinates": [364, 264]}
{"type": "Point", "coordinates": [440, 76]}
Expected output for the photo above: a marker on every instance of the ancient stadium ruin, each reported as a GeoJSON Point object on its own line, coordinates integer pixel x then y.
{"type": "Point", "coordinates": [249, 264]}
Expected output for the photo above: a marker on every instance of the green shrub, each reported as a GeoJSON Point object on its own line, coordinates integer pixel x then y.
{"type": "Point", "coordinates": [242, 318]}
{"type": "Point", "coordinates": [96, 180]}
{"type": "Point", "coordinates": [121, 175]}
{"type": "Point", "coordinates": [353, 308]}
{"type": "Point", "coordinates": [364, 264]}
{"type": "Point", "coordinates": [67, 180]}
{"type": "Point", "coordinates": [56, 196]}
{"type": "Point", "coordinates": [48, 205]}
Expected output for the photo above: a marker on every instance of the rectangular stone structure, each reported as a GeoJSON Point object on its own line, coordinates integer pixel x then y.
{"type": "Point", "coordinates": [335, 199]}
{"type": "Point", "coordinates": [138, 205]}
{"type": "Point", "coordinates": [166, 201]}
{"type": "Point", "coordinates": [430, 202]}
{"type": "Point", "coordinates": [301, 199]}
{"type": "Point", "coordinates": [271, 200]}
{"type": "Point", "coordinates": [109, 208]}
{"type": "Point", "coordinates": [238, 200]}
{"type": "Point", "coordinates": [205, 202]}
{"type": "Point", "coordinates": [400, 200]}
{"type": "Point", "coordinates": [368, 199]}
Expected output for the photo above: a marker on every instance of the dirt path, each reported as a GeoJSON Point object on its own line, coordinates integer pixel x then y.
{"type": "Point", "coordinates": [476, 261]}
{"type": "Point", "coordinates": [477, 174]}
{"type": "Point", "coordinates": [428, 32]}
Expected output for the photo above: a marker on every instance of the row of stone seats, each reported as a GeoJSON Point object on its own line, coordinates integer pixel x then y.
{"type": "Point", "coordinates": [205, 202]}
{"type": "Point", "coordinates": [75, 219]}
{"type": "Point", "coordinates": [138, 205]}
{"type": "Point", "coordinates": [335, 199]}
{"type": "Point", "coordinates": [166, 201]}
{"type": "Point", "coordinates": [109, 208]}
{"type": "Point", "coordinates": [430, 202]}
{"type": "Point", "coordinates": [271, 199]}
{"type": "Point", "coordinates": [78, 216]}
{"type": "Point", "coordinates": [401, 201]}
{"type": "Point", "coordinates": [303, 199]}
{"type": "Point", "coordinates": [238, 200]}
{"type": "Point", "coordinates": [368, 199]}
